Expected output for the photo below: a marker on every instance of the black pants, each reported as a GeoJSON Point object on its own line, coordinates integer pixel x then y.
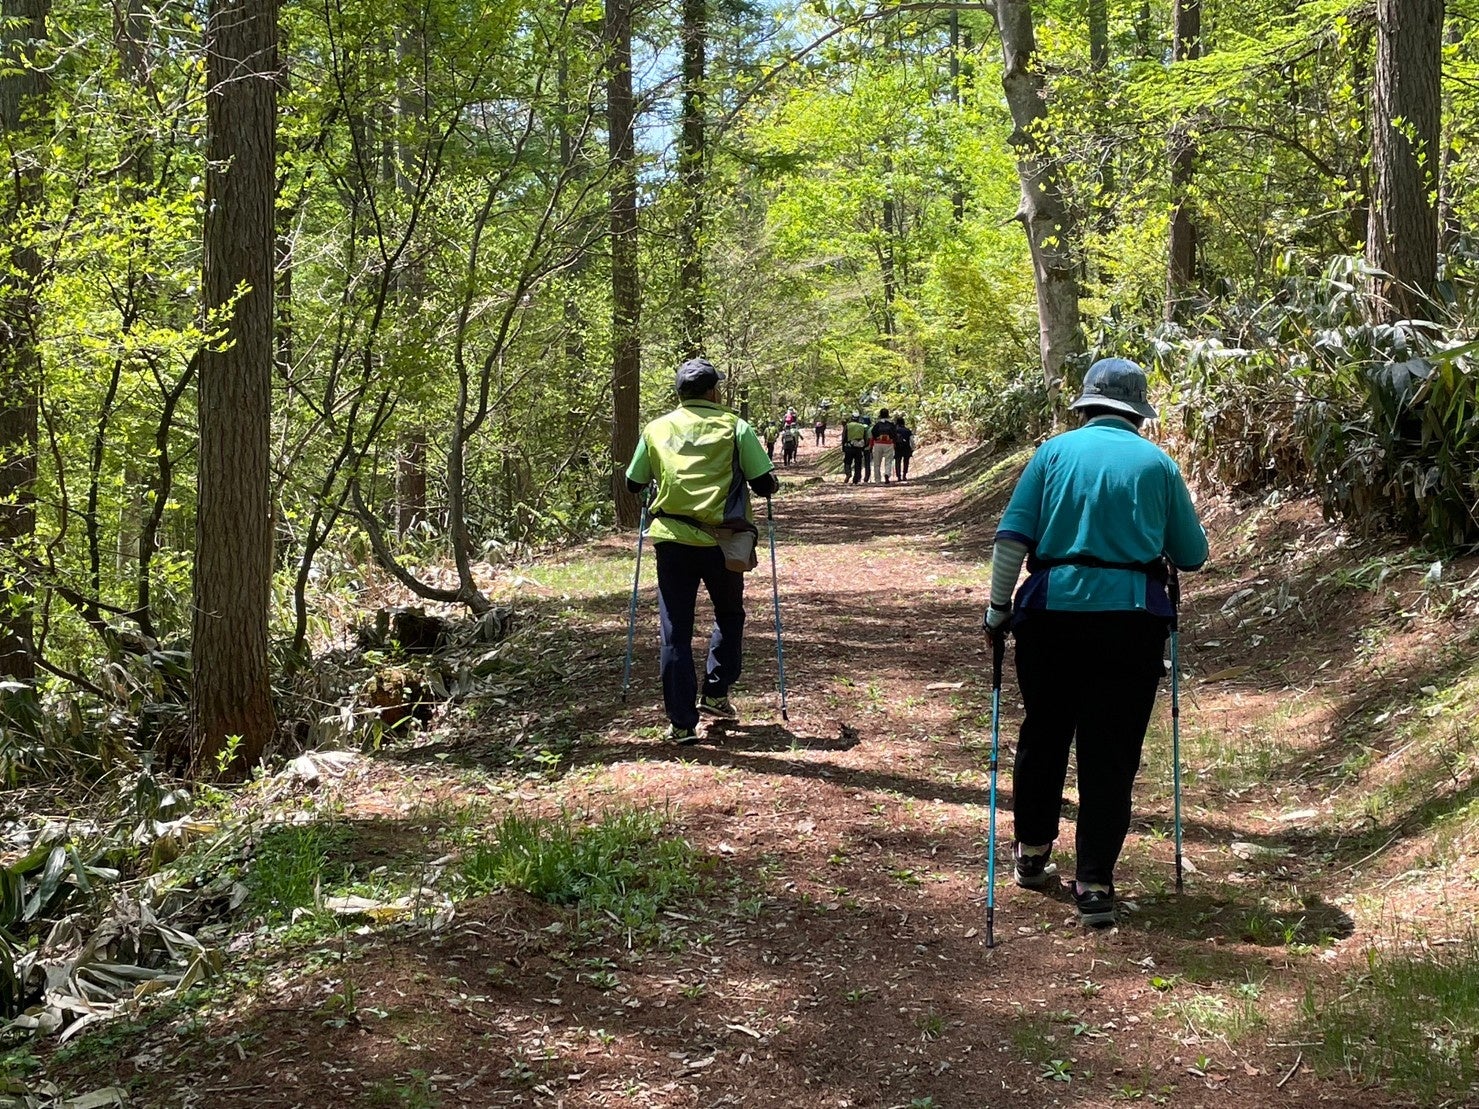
{"type": "Point", "coordinates": [854, 462]}
{"type": "Point", "coordinates": [821, 434]}
{"type": "Point", "coordinates": [901, 464]}
{"type": "Point", "coordinates": [680, 570]}
{"type": "Point", "coordinates": [788, 453]}
{"type": "Point", "coordinates": [1090, 676]}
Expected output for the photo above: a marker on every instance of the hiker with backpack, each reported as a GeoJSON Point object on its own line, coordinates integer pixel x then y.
{"type": "Point", "coordinates": [1096, 513]}
{"type": "Point", "coordinates": [706, 461]}
{"type": "Point", "coordinates": [790, 444]}
{"type": "Point", "coordinates": [769, 432]}
{"type": "Point", "coordinates": [854, 448]}
{"type": "Point", "coordinates": [883, 447]}
{"type": "Point", "coordinates": [819, 428]}
{"type": "Point", "coordinates": [903, 448]}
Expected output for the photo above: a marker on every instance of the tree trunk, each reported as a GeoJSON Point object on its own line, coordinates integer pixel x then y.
{"type": "Point", "coordinates": [22, 87]}
{"type": "Point", "coordinates": [1450, 226]}
{"type": "Point", "coordinates": [626, 290]}
{"type": "Point", "coordinates": [410, 482]}
{"type": "Point", "coordinates": [691, 178]}
{"type": "Point", "coordinates": [886, 257]}
{"type": "Point", "coordinates": [1181, 253]}
{"type": "Point", "coordinates": [1042, 212]}
{"type": "Point", "coordinates": [233, 556]}
{"type": "Point", "coordinates": [1402, 235]}
{"type": "Point", "coordinates": [957, 178]}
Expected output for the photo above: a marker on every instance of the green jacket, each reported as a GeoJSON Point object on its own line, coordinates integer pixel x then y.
{"type": "Point", "coordinates": [701, 455]}
{"type": "Point", "coordinates": [856, 432]}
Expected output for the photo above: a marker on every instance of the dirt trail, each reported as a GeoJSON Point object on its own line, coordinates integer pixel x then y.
{"type": "Point", "coordinates": [838, 959]}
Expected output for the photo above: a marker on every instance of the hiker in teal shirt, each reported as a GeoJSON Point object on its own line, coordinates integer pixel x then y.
{"type": "Point", "coordinates": [705, 461]}
{"type": "Point", "coordinates": [1097, 513]}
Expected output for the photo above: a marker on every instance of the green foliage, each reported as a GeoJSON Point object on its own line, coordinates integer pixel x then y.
{"type": "Point", "coordinates": [287, 871]}
{"type": "Point", "coordinates": [1409, 1021]}
{"type": "Point", "coordinates": [622, 867]}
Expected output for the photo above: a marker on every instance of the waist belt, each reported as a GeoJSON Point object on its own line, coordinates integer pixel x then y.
{"type": "Point", "coordinates": [1156, 570]}
{"type": "Point", "coordinates": [711, 530]}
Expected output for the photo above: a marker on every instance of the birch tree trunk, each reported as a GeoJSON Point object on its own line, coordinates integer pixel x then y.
{"type": "Point", "coordinates": [1042, 212]}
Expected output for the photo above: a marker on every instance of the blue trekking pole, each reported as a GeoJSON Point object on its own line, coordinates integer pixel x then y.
{"type": "Point", "coordinates": [775, 591]}
{"type": "Point", "coordinates": [626, 673]}
{"type": "Point", "coordinates": [998, 654]}
{"type": "Point", "coordinates": [1173, 592]}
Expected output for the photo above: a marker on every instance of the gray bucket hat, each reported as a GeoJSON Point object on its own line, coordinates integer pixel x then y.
{"type": "Point", "coordinates": [1117, 384]}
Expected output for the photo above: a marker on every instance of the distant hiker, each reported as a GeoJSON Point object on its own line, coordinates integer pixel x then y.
{"type": "Point", "coordinates": [883, 446]}
{"type": "Point", "coordinates": [769, 431]}
{"type": "Point", "coordinates": [790, 444]}
{"type": "Point", "coordinates": [701, 455]}
{"type": "Point", "coordinates": [1094, 513]}
{"type": "Point", "coordinates": [854, 448]}
{"type": "Point", "coordinates": [903, 448]}
{"type": "Point", "coordinates": [819, 429]}
{"type": "Point", "coordinates": [790, 418]}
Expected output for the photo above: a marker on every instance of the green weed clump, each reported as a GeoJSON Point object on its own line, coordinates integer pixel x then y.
{"type": "Point", "coordinates": [288, 869]}
{"type": "Point", "coordinates": [623, 867]}
{"type": "Point", "coordinates": [1410, 1022]}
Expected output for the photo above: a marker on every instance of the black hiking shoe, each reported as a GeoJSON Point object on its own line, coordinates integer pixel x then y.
{"type": "Point", "coordinates": [1096, 908]}
{"type": "Point", "coordinates": [682, 736]}
{"type": "Point", "coordinates": [718, 706]}
{"type": "Point", "coordinates": [1034, 872]}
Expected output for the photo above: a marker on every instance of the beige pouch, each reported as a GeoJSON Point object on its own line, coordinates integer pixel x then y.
{"type": "Point", "coordinates": [738, 545]}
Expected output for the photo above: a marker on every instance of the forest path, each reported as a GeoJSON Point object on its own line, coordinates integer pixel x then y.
{"type": "Point", "coordinates": [836, 956]}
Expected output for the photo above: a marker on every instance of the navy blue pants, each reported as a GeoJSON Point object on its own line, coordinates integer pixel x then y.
{"type": "Point", "coordinates": [680, 570]}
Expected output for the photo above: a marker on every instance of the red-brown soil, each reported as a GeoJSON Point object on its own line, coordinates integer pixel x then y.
{"type": "Point", "coordinates": [837, 957]}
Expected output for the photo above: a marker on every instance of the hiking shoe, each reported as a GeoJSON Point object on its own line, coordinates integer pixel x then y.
{"type": "Point", "coordinates": [1096, 908]}
{"type": "Point", "coordinates": [1034, 872]}
{"type": "Point", "coordinates": [682, 736]}
{"type": "Point", "coordinates": [718, 706]}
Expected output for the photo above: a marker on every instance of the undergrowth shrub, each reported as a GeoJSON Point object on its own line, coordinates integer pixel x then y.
{"type": "Point", "coordinates": [623, 867]}
{"type": "Point", "coordinates": [1301, 391]}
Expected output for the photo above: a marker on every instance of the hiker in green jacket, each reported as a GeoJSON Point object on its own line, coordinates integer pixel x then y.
{"type": "Point", "coordinates": [854, 448]}
{"type": "Point", "coordinates": [702, 456]}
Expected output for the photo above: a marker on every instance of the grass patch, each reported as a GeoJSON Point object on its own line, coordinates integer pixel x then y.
{"type": "Point", "coordinates": [622, 868]}
{"type": "Point", "coordinates": [1411, 1021]}
{"type": "Point", "coordinates": [287, 869]}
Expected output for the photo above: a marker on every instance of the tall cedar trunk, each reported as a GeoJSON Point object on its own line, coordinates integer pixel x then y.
{"type": "Point", "coordinates": [1042, 212]}
{"type": "Point", "coordinates": [1181, 253]}
{"type": "Point", "coordinates": [626, 291]}
{"type": "Point", "coordinates": [22, 87]}
{"type": "Point", "coordinates": [233, 531]}
{"type": "Point", "coordinates": [1402, 235]}
{"type": "Point", "coordinates": [691, 177]}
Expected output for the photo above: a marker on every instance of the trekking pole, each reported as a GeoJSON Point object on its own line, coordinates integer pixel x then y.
{"type": "Point", "coordinates": [1173, 592]}
{"type": "Point", "coordinates": [626, 673]}
{"type": "Point", "coordinates": [998, 653]}
{"type": "Point", "coordinates": [775, 592]}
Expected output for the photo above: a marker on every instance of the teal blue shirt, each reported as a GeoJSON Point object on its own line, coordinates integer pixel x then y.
{"type": "Point", "coordinates": [1103, 492]}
